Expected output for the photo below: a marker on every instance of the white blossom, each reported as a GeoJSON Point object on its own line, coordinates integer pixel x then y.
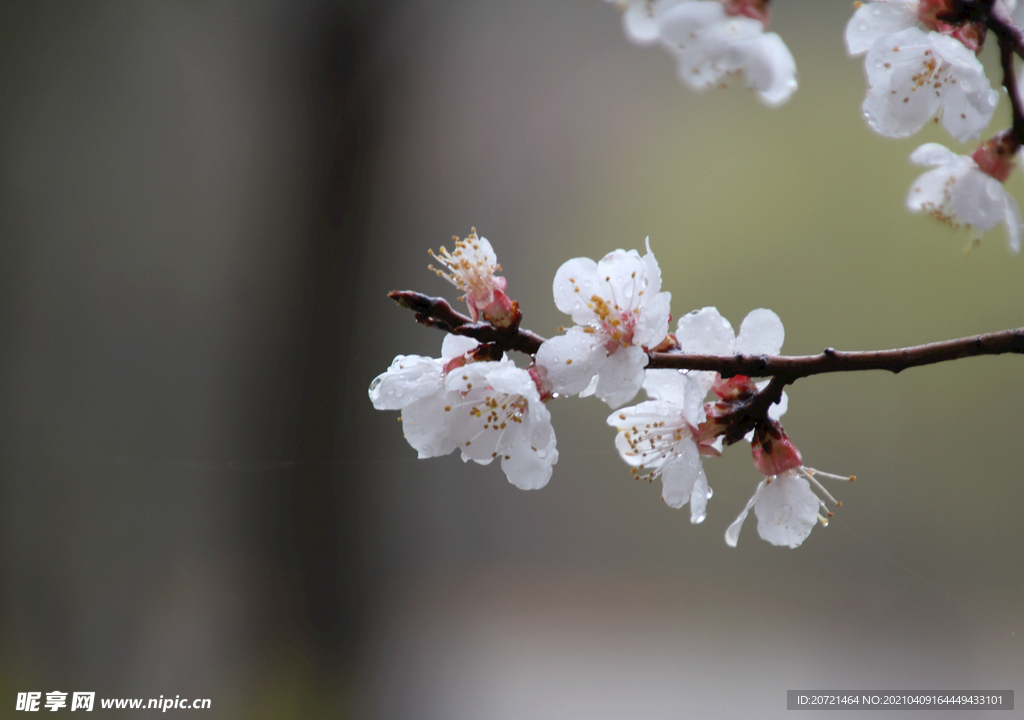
{"type": "Point", "coordinates": [786, 507]}
{"type": "Point", "coordinates": [786, 510]}
{"type": "Point", "coordinates": [711, 44]}
{"type": "Point", "coordinates": [486, 409]}
{"type": "Point", "coordinates": [470, 268]}
{"type": "Point", "coordinates": [914, 75]}
{"type": "Point", "coordinates": [958, 193]}
{"type": "Point", "coordinates": [619, 309]}
{"type": "Point", "coordinates": [656, 439]}
{"type": "Point", "coordinates": [496, 411]}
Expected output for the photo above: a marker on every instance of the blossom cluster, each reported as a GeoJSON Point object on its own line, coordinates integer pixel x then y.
{"type": "Point", "coordinates": [714, 40]}
{"type": "Point", "coordinates": [476, 399]}
{"type": "Point", "coordinates": [921, 62]}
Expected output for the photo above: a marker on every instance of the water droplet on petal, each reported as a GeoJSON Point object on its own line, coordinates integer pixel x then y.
{"type": "Point", "coordinates": [376, 383]}
{"type": "Point", "coordinates": [710, 493]}
{"type": "Point", "coordinates": [877, 11]}
{"type": "Point", "coordinates": [700, 518]}
{"type": "Point", "coordinates": [862, 26]}
{"type": "Point", "coordinates": [782, 514]}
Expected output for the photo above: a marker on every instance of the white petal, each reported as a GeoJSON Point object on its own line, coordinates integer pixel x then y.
{"type": "Point", "coordinates": [427, 426]}
{"type": "Point", "coordinates": [679, 476]}
{"type": "Point", "coordinates": [761, 333]}
{"type": "Point", "coordinates": [680, 27]}
{"type": "Point", "coordinates": [706, 332]}
{"type": "Point", "coordinates": [875, 19]}
{"type": "Point", "coordinates": [933, 154]}
{"type": "Point", "coordinates": [930, 190]}
{"type": "Point", "coordinates": [786, 511]}
{"type": "Point", "coordinates": [409, 378]}
{"type": "Point", "coordinates": [979, 199]}
{"type": "Point", "coordinates": [732, 533]}
{"type": "Point", "coordinates": [771, 70]}
{"type": "Point", "coordinates": [527, 467]}
{"type": "Point", "coordinates": [680, 388]}
{"type": "Point", "coordinates": [591, 387]}
{"type": "Point", "coordinates": [456, 345]}
{"type": "Point", "coordinates": [639, 23]}
{"type": "Point", "coordinates": [571, 360]}
{"type": "Point", "coordinates": [699, 498]}
{"type": "Point", "coordinates": [576, 281]}
{"type": "Point", "coordinates": [1013, 223]}
{"type": "Point", "coordinates": [965, 115]}
{"type": "Point", "coordinates": [777, 410]}
{"type": "Point", "coordinates": [653, 269]}
{"type": "Point", "coordinates": [620, 376]}
{"type": "Point", "coordinates": [652, 324]}
{"type": "Point", "coordinates": [528, 464]}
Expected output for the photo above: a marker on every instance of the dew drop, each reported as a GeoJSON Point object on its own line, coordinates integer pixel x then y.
{"type": "Point", "coordinates": [376, 383]}
{"type": "Point", "coordinates": [700, 518]}
{"type": "Point", "coordinates": [877, 11]}
{"type": "Point", "coordinates": [862, 26]}
{"type": "Point", "coordinates": [782, 514]}
{"type": "Point", "coordinates": [710, 493]}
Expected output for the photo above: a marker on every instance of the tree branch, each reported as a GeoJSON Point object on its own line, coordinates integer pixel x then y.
{"type": "Point", "coordinates": [436, 312]}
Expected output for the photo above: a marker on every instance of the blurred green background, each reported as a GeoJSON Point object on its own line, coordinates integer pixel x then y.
{"type": "Point", "coordinates": [202, 208]}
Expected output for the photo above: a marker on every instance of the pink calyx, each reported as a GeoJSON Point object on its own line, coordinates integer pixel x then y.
{"type": "Point", "coordinates": [995, 156]}
{"type": "Point", "coordinates": [936, 14]}
{"type": "Point", "coordinates": [774, 453]}
{"type": "Point", "coordinates": [755, 9]}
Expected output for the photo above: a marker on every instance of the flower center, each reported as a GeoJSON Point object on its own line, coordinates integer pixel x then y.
{"type": "Point", "coordinates": [616, 324]}
{"type": "Point", "coordinates": [654, 445]}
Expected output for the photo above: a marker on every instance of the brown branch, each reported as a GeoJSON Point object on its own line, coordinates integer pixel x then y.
{"type": "Point", "coordinates": [436, 312]}
{"type": "Point", "coordinates": [790, 368]}
{"type": "Point", "coordinates": [1001, 22]}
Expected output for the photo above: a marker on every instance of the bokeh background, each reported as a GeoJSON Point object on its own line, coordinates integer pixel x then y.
{"type": "Point", "coordinates": [202, 207]}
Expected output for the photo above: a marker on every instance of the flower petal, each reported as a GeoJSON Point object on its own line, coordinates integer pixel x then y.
{"type": "Point", "coordinates": [529, 463]}
{"type": "Point", "coordinates": [576, 281]}
{"type": "Point", "coordinates": [732, 533]}
{"type": "Point", "coordinates": [620, 376]}
{"type": "Point", "coordinates": [1013, 223]}
{"type": "Point", "coordinates": [761, 333]}
{"type": "Point", "coordinates": [770, 69]}
{"type": "Point", "coordinates": [680, 475]}
{"type": "Point", "coordinates": [409, 378]}
{"type": "Point", "coordinates": [571, 360]}
{"type": "Point", "coordinates": [706, 332]}
{"type": "Point", "coordinates": [427, 426]}
{"type": "Point", "coordinates": [873, 20]}
{"type": "Point", "coordinates": [786, 510]}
